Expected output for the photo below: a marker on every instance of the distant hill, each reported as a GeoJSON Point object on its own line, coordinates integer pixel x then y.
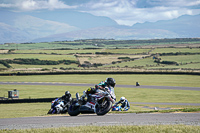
{"type": "Point", "coordinates": [7, 32]}
{"type": "Point", "coordinates": [70, 25]}
{"type": "Point", "coordinates": [110, 33]}
{"type": "Point", "coordinates": [14, 26]}
{"type": "Point", "coordinates": [184, 26]}
{"type": "Point", "coordinates": [81, 20]}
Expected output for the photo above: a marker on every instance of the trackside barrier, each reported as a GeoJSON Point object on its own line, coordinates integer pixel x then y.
{"type": "Point", "coordinates": [27, 100]}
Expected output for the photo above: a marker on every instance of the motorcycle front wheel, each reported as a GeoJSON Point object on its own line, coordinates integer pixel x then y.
{"type": "Point", "coordinates": [104, 107]}
{"type": "Point", "coordinates": [50, 111]}
{"type": "Point", "coordinates": [73, 110]}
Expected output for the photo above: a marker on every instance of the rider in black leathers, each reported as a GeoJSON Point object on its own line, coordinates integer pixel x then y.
{"type": "Point", "coordinates": [67, 99]}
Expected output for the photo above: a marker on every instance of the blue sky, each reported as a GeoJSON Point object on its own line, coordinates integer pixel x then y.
{"type": "Point", "coordinates": [124, 12]}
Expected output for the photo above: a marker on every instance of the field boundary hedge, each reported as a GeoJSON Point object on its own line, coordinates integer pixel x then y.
{"type": "Point", "coordinates": [26, 100]}
{"type": "Point", "coordinates": [103, 72]}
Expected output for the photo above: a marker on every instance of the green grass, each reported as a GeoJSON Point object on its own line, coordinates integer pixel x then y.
{"type": "Point", "coordinates": [39, 91]}
{"type": "Point", "coordinates": [129, 79]}
{"type": "Point", "coordinates": [41, 109]}
{"type": "Point", "coordinates": [184, 61]}
{"type": "Point", "coordinates": [132, 94]}
{"type": "Point", "coordinates": [142, 62]}
{"type": "Point", "coordinates": [181, 58]}
{"type": "Point", "coordinates": [113, 129]}
{"type": "Point", "coordinates": [127, 51]}
{"type": "Point", "coordinates": [32, 67]}
{"type": "Point", "coordinates": [24, 110]}
{"type": "Point", "coordinates": [59, 51]}
{"type": "Point", "coordinates": [175, 50]}
{"type": "Point", "coordinates": [105, 59]}
{"type": "Point", "coordinates": [38, 56]}
{"type": "Point", "coordinates": [183, 66]}
{"type": "Point", "coordinates": [46, 46]}
{"type": "Point", "coordinates": [2, 66]}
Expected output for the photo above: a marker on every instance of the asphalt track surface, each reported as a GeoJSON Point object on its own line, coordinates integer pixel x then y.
{"type": "Point", "coordinates": [88, 85]}
{"type": "Point", "coordinates": [94, 120]}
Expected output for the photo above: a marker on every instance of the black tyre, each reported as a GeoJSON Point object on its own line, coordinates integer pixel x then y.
{"type": "Point", "coordinates": [104, 108]}
{"type": "Point", "coordinates": [50, 111]}
{"type": "Point", "coordinates": [73, 110]}
{"type": "Point", "coordinates": [64, 111]}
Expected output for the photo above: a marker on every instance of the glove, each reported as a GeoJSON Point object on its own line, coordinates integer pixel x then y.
{"type": "Point", "coordinates": [84, 94]}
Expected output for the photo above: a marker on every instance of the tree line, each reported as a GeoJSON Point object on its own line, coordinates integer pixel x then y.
{"type": "Point", "coordinates": [28, 61]}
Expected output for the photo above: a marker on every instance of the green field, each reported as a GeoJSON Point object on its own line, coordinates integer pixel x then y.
{"type": "Point", "coordinates": [175, 50]}
{"type": "Point", "coordinates": [102, 43]}
{"type": "Point", "coordinates": [183, 59]}
{"type": "Point", "coordinates": [107, 55]}
{"type": "Point", "coordinates": [127, 51]}
{"type": "Point", "coordinates": [132, 94]}
{"type": "Point", "coordinates": [58, 51]}
{"type": "Point", "coordinates": [38, 56]}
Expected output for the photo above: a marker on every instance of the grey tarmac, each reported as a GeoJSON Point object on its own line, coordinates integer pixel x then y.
{"type": "Point", "coordinates": [88, 85]}
{"type": "Point", "coordinates": [94, 120]}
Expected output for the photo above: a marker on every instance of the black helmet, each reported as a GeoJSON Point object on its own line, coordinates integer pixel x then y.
{"type": "Point", "coordinates": [110, 81]}
{"type": "Point", "coordinates": [67, 93]}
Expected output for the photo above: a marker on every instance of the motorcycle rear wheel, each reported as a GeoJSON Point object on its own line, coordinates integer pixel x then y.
{"type": "Point", "coordinates": [105, 109]}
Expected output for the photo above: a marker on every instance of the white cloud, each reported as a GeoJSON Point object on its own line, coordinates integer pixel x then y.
{"type": "Point", "coordinates": [124, 12]}
{"type": "Point", "coordinates": [127, 12]}
{"type": "Point", "coordinates": [26, 5]}
{"type": "Point", "coordinates": [6, 5]}
{"type": "Point", "coordinates": [175, 3]}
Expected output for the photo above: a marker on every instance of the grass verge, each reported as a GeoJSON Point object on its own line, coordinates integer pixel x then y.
{"type": "Point", "coordinates": [41, 109]}
{"type": "Point", "coordinates": [114, 129]}
{"type": "Point", "coordinates": [172, 110]}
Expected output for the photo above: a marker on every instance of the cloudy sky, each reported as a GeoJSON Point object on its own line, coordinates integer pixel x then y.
{"type": "Point", "coordinates": [124, 12]}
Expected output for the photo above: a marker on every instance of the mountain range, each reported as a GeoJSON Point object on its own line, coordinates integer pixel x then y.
{"type": "Point", "coordinates": [60, 25]}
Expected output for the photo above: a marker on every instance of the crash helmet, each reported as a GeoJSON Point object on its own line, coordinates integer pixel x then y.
{"type": "Point", "coordinates": [67, 93]}
{"type": "Point", "coordinates": [122, 99]}
{"type": "Point", "coordinates": [110, 81]}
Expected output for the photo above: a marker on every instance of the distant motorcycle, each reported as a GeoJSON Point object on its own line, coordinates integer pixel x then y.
{"type": "Point", "coordinates": [57, 107]}
{"type": "Point", "coordinates": [116, 108]}
{"type": "Point", "coordinates": [99, 103]}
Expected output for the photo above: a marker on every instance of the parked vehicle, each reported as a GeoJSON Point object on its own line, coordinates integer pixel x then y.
{"type": "Point", "coordinates": [99, 103]}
